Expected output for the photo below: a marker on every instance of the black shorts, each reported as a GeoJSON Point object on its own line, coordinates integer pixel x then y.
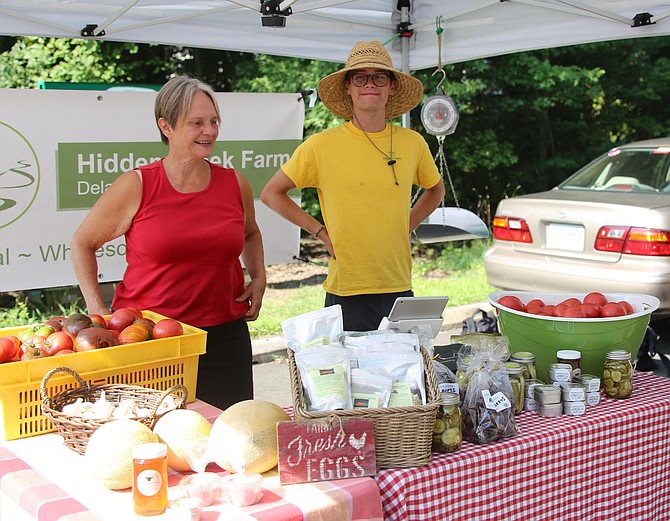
{"type": "Point", "coordinates": [365, 312]}
{"type": "Point", "coordinates": [225, 372]}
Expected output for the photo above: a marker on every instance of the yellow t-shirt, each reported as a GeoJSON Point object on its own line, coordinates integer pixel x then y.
{"type": "Point", "coordinates": [366, 213]}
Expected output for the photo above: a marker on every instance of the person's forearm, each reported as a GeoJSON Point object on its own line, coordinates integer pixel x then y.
{"type": "Point", "coordinates": [429, 200]}
{"type": "Point", "coordinates": [86, 271]}
{"type": "Point", "coordinates": [253, 258]}
{"type": "Point", "coordinates": [289, 210]}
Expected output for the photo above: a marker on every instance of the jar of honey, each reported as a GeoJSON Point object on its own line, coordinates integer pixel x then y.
{"type": "Point", "coordinates": [150, 479]}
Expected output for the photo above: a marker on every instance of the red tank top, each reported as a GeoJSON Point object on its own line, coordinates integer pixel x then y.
{"type": "Point", "coordinates": [183, 250]}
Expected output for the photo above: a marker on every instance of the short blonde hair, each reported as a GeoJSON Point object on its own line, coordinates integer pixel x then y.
{"type": "Point", "coordinates": [175, 98]}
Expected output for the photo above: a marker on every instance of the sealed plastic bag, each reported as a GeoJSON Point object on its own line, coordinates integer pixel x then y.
{"type": "Point", "coordinates": [407, 370]}
{"type": "Point", "coordinates": [326, 378]}
{"type": "Point", "coordinates": [487, 408]}
{"type": "Point", "coordinates": [319, 327]}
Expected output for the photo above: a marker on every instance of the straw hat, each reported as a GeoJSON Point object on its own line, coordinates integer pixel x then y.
{"type": "Point", "coordinates": [373, 55]}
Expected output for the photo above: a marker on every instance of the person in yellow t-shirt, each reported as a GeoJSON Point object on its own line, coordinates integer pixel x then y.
{"type": "Point", "coordinates": [363, 171]}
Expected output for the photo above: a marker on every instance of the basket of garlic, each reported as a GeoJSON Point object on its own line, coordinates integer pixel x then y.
{"type": "Point", "coordinates": [77, 412]}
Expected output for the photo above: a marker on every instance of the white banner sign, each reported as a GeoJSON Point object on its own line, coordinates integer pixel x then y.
{"type": "Point", "coordinates": [59, 150]}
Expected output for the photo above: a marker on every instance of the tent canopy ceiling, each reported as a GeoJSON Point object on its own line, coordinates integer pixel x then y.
{"type": "Point", "coordinates": [327, 29]}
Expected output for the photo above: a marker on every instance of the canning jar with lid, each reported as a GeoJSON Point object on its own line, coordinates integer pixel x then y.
{"type": "Point", "coordinates": [572, 357]}
{"type": "Point", "coordinates": [515, 373]}
{"type": "Point", "coordinates": [527, 361]}
{"type": "Point", "coordinates": [447, 435]}
{"type": "Point", "coordinates": [618, 374]}
{"type": "Point", "coordinates": [150, 474]}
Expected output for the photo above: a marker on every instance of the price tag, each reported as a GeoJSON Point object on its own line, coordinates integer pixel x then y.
{"type": "Point", "coordinates": [449, 387]}
{"type": "Point", "coordinates": [498, 402]}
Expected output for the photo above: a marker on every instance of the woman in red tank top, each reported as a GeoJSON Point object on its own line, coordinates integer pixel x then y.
{"type": "Point", "coordinates": [186, 224]}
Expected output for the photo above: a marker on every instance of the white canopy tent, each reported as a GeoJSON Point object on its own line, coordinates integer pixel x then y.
{"type": "Point", "coordinates": [327, 29]}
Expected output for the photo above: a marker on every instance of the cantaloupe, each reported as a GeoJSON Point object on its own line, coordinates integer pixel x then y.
{"type": "Point", "coordinates": [108, 455]}
{"type": "Point", "coordinates": [244, 437]}
{"type": "Point", "coordinates": [184, 432]}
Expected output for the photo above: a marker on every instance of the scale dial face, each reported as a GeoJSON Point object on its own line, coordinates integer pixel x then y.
{"type": "Point", "coordinates": [439, 115]}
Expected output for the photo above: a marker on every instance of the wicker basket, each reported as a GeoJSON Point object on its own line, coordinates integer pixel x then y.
{"type": "Point", "coordinates": [403, 435]}
{"type": "Point", "coordinates": [76, 430]}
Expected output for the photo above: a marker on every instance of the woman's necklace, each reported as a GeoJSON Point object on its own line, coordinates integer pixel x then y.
{"type": "Point", "coordinates": [387, 157]}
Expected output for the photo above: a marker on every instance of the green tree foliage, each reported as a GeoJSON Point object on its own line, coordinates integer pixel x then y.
{"type": "Point", "coordinates": [528, 120]}
{"type": "Point", "coordinates": [26, 61]}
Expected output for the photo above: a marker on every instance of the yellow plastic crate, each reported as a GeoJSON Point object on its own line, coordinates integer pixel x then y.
{"type": "Point", "coordinates": [157, 364]}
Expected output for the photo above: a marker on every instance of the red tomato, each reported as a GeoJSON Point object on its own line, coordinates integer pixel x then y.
{"type": "Point", "coordinates": [535, 301]}
{"type": "Point", "coordinates": [137, 312]}
{"type": "Point", "coordinates": [591, 310]}
{"type": "Point", "coordinates": [146, 322]}
{"type": "Point", "coordinates": [8, 349]}
{"type": "Point", "coordinates": [96, 318]}
{"type": "Point", "coordinates": [572, 302]}
{"type": "Point", "coordinates": [34, 352]}
{"type": "Point", "coordinates": [16, 340]}
{"type": "Point", "coordinates": [134, 333]}
{"type": "Point", "coordinates": [627, 306]}
{"type": "Point", "coordinates": [595, 298]}
{"type": "Point", "coordinates": [509, 301]}
{"type": "Point", "coordinates": [33, 342]}
{"type": "Point", "coordinates": [575, 312]}
{"type": "Point", "coordinates": [167, 327]}
{"type": "Point", "coordinates": [64, 352]}
{"type": "Point", "coordinates": [533, 309]}
{"type": "Point", "coordinates": [58, 341]}
{"type": "Point", "coordinates": [612, 309]}
{"type": "Point", "coordinates": [559, 310]}
{"type": "Point", "coordinates": [548, 309]}
{"type": "Point", "coordinates": [121, 319]}
{"type": "Point", "coordinates": [94, 338]}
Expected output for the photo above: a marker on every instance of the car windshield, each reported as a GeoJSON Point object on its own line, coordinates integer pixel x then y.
{"type": "Point", "coordinates": [628, 170]}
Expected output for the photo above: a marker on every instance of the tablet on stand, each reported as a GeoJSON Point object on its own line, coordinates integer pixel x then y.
{"type": "Point", "coordinates": [410, 312]}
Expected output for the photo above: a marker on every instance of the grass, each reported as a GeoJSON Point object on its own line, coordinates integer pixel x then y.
{"type": "Point", "coordinates": [455, 270]}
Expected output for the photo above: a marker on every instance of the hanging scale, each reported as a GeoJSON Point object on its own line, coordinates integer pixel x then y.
{"type": "Point", "coordinates": [440, 116]}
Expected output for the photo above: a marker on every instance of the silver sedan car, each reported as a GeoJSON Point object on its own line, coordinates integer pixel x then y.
{"type": "Point", "coordinates": [606, 228]}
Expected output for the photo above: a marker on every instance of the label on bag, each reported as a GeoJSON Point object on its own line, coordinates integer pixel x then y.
{"type": "Point", "coordinates": [498, 402]}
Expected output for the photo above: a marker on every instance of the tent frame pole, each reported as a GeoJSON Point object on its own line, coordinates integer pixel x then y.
{"type": "Point", "coordinates": [404, 19]}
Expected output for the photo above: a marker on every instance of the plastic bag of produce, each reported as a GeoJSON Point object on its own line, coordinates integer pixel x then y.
{"type": "Point", "coordinates": [487, 408]}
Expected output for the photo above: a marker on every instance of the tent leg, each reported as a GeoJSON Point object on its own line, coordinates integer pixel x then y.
{"type": "Point", "coordinates": [404, 18]}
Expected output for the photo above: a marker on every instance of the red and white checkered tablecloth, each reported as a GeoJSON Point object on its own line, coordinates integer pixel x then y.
{"type": "Point", "coordinates": [612, 464]}
{"type": "Point", "coordinates": [41, 479]}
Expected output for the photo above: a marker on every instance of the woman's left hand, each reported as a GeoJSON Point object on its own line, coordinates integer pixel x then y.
{"type": "Point", "coordinates": [254, 295]}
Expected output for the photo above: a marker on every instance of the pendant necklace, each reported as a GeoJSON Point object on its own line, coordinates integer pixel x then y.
{"type": "Point", "coordinates": [387, 157]}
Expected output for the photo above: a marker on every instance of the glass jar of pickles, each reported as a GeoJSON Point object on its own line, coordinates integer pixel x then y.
{"type": "Point", "coordinates": [527, 361]}
{"type": "Point", "coordinates": [447, 430]}
{"type": "Point", "coordinates": [618, 374]}
{"type": "Point", "coordinates": [515, 372]}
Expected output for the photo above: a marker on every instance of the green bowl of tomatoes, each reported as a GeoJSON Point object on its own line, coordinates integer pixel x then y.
{"type": "Point", "coordinates": [540, 323]}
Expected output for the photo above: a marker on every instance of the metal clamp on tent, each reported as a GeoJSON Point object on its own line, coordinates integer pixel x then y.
{"type": "Point", "coordinates": [440, 116]}
{"type": "Point", "coordinates": [274, 12]}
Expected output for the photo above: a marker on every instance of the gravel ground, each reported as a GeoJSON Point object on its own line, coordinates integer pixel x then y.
{"type": "Point", "coordinates": [299, 272]}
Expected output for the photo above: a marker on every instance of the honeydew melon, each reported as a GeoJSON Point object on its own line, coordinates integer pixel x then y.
{"type": "Point", "coordinates": [244, 437]}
